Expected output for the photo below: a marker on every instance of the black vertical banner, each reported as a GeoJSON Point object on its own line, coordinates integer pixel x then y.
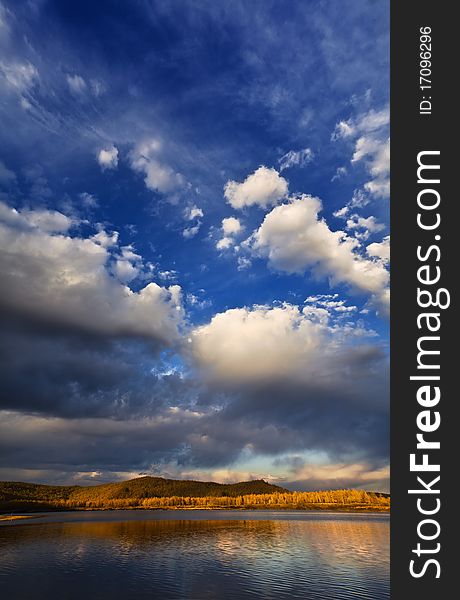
{"type": "Point", "coordinates": [424, 234]}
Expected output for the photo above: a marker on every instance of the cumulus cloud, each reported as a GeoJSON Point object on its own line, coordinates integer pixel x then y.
{"type": "Point", "coordinates": [49, 221]}
{"type": "Point", "coordinates": [294, 239]}
{"type": "Point", "coordinates": [342, 212]}
{"type": "Point", "coordinates": [125, 270]}
{"type": "Point", "coordinates": [52, 277]}
{"type": "Point", "coordinates": [158, 176]}
{"type": "Point", "coordinates": [381, 302]}
{"type": "Point", "coordinates": [263, 188]}
{"type": "Point", "coordinates": [193, 212]}
{"type": "Point", "coordinates": [380, 250]}
{"type": "Point", "coordinates": [104, 239]}
{"type": "Point", "coordinates": [264, 342]}
{"type": "Point", "coordinates": [190, 232]}
{"type": "Point", "coordinates": [369, 133]}
{"type": "Point", "coordinates": [225, 243]}
{"type": "Point", "coordinates": [128, 265]}
{"type": "Point", "coordinates": [108, 157]}
{"type": "Point", "coordinates": [376, 154]}
{"type": "Point", "coordinates": [231, 227]}
{"type": "Point", "coordinates": [369, 223]}
{"type": "Point", "coordinates": [363, 227]}
{"type": "Point", "coordinates": [301, 158]}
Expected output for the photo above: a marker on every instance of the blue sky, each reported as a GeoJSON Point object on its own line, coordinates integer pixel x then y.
{"type": "Point", "coordinates": [195, 242]}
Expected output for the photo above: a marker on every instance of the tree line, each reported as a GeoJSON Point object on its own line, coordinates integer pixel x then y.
{"type": "Point", "coordinates": [330, 499]}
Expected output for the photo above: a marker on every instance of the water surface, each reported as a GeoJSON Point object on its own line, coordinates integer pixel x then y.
{"type": "Point", "coordinates": [196, 555]}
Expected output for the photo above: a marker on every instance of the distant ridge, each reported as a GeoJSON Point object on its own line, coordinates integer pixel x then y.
{"type": "Point", "coordinates": [16, 494]}
{"type": "Point", "coordinates": [159, 493]}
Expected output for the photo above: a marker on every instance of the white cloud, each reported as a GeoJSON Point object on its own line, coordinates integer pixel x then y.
{"type": "Point", "coordinates": [49, 221]}
{"type": "Point", "coordinates": [381, 303]}
{"type": "Point", "coordinates": [263, 188]}
{"type": "Point", "coordinates": [225, 243]}
{"type": "Point", "coordinates": [379, 188]}
{"type": "Point", "coordinates": [145, 159]}
{"type": "Point", "coordinates": [369, 131]}
{"type": "Point", "coordinates": [108, 157]}
{"type": "Point", "coordinates": [80, 87]}
{"type": "Point", "coordinates": [343, 129]}
{"type": "Point", "coordinates": [19, 76]}
{"type": "Point", "coordinates": [196, 302]}
{"type": "Point", "coordinates": [125, 270]}
{"type": "Point", "coordinates": [168, 275]}
{"type": "Point", "coordinates": [88, 200]}
{"type": "Point", "coordinates": [367, 225]}
{"type": "Point", "coordinates": [193, 212]}
{"type": "Point", "coordinates": [340, 172]}
{"type": "Point", "coordinates": [365, 123]}
{"type": "Point", "coordinates": [102, 238]}
{"type": "Point", "coordinates": [260, 343]}
{"type": "Point", "coordinates": [374, 120]}
{"type": "Point", "coordinates": [190, 232]}
{"type": "Point", "coordinates": [231, 226]}
{"type": "Point", "coordinates": [376, 154]}
{"type": "Point", "coordinates": [190, 214]}
{"type": "Point", "coordinates": [77, 85]}
{"type": "Point", "coordinates": [294, 239]}
{"type": "Point", "coordinates": [243, 263]}
{"type": "Point", "coordinates": [330, 303]}
{"type": "Point", "coordinates": [370, 223]}
{"type": "Point", "coordinates": [380, 250]}
{"type": "Point", "coordinates": [128, 265]}
{"type": "Point", "coordinates": [65, 280]}
{"type": "Point", "coordinates": [339, 214]}
{"type": "Point", "coordinates": [301, 158]}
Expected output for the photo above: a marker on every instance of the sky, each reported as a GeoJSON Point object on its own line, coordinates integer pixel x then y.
{"type": "Point", "coordinates": [194, 240]}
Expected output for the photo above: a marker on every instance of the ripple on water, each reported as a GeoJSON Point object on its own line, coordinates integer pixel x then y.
{"type": "Point", "coordinates": [309, 559]}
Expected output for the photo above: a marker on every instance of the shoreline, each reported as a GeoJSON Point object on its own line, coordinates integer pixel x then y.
{"type": "Point", "coordinates": [30, 514]}
{"type": "Point", "coordinates": [7, 519]}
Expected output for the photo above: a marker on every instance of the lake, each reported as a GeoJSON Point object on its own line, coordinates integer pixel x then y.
{"type": "Point", "coordinates": [196, 555]}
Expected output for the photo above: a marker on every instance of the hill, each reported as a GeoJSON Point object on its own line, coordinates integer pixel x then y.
{"type": "Point", "coordinates": [16, 495]}
{"type": "Point", "coordinates": [157, 492]}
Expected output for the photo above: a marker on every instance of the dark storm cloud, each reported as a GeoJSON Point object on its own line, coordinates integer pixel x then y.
{"type": "Point", "coordinates": [47, 371]}
{"type": "Point", "coordinates": [144, 421]}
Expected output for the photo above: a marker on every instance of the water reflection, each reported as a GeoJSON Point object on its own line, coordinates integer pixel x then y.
{"type": "Point", "coordinates": [197, 560]}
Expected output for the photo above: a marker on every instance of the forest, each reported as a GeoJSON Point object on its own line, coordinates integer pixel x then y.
{"type": "Point", "coordinates": [160, 493]}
